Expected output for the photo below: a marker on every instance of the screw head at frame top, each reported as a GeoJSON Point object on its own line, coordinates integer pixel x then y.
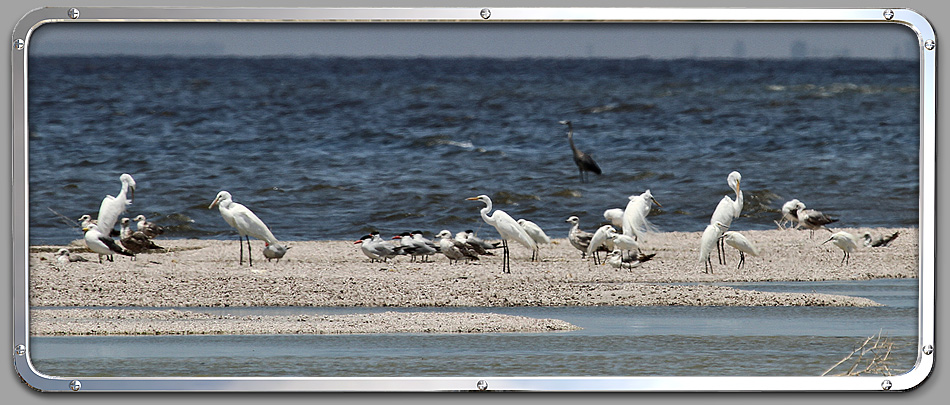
{"type": "Point", "coordinates": [485, 13]}
{"type": "Point", "coordinates": [75, 385]}
{"type": "Point", "coordinates": [73, 13]}
{"type": "Point", "coordinates": [888, 14]}
{"type": "Point", "coordinates": [930, 44]}
{"type": "Point", "coordinates": [18, 44]}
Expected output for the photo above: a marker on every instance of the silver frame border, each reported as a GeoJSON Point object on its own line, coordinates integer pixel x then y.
{"type": "Point", "coordinates": [927, 203]}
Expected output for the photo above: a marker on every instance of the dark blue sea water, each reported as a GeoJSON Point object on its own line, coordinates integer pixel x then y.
{"type": "Point", "coordinates": [330, 148]}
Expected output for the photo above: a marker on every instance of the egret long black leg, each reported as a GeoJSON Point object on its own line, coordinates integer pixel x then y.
{"type": "Point", "coordinates": [241, 245]}
{"type": "Point", "coordinates": [741, 260]}
{"type": "Point", "coordinates": [249, 261]}
{"type": "Point", "coordinates": [505, 261]}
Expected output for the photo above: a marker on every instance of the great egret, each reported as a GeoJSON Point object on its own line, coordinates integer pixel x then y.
{"type": "Point", "coordinates": [741, 243]}
{"type": "Point", "coordinates": [244, 221]}
{"type": "Point", "coordinates": [600, 241]}
{"type": "Point", "coordinates": [578, 238]}
{"type": "Point", "coordinates": [275, 251]}
{"type": "Point", "coordinates": [537, 234]}
{"type": "Point", "coordinates": [149, 229]}
{"type": "Point", "coordinates": [584, 162]}
{"type": "Point", "coordinates": [844, 241]}
{"type": "Point", "coordinates": [63, 257]}
{"type": "Point", "coordinates": [111, 207]}
{"type": "Point", "coordinates": [134, 241]}
{"type": "Point", "coordinates": [635, 221]}
{"type": "Point", "coordinates": [727, 210]}
{"type": "Point", "coordinates": [615, 217]}
{"type": "Point", "coordinates": [708, 242]}
{"type": "Point", "coordinates": [616, 259]}
{"type": "Point", "coordinates": [507, 228]}
{"type": "Point", "coordinates": [453, 249]}
{"type": "Point", "coordinates": [101, 244]}
{"type": "Point", "coordinates": [879, 242]}
{"type": "Point", "coordinates": [789, 213]}
{"type": "Point", "coordinates": [812, 219]}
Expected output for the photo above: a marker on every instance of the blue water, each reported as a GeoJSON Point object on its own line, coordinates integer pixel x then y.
{"type": "Point", "coordinates": [614, 341]}
{"type": "Point", "coordinates": [330, 148]}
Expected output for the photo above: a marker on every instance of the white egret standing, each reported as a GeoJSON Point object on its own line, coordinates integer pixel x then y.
{"type": "Point", "coordinates": [111, 207]}
{"type": "Point", "coordinates": [101, 244]}
{"type": "Point", "coordinates": [578, 238]}
{"type": "Point", "coordinates": [507, 228]}
{"type": "Point", "coordinates": [537, 234]}
{"type": "Point", "coordinates": [709, 240]}
{"type": "Point", "coordinates": [244, 221]}
{"type": "Point", "coordinates": [727, 210]}
{"type": "Point", "coordinates": [741, 243]}
{"type": "Point", "coordinates": [844, 241]}
{"type": "Point", "coordinates": [635, 215]}
{"type": "Point", "coordinates": [600, 241]}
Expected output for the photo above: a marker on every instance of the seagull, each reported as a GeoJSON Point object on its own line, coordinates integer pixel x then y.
{"type": "Point", "coordinates": [244, 221]}
{"type": "Point", "coordinates": [741, 243]}
{"type": "Point", "coordinates": [812, 219]}
{"type": "Point", "coordinates": [789, 213]}
{"type": "Point", "coordinates": [101, 244]}
{"type": "Point", "coordinates": [584, 162]}
{"type": "Point", "coordinates": [506, 227]}
{"type": "Point", "coordinates": [727, 210]}
{"type": "Point", "coordinates": [709, 240]}
{"type": "Point", "coordinates": [87, 220]}
{"type": "Point", "coordinates": [454, 249]}
{"type": "Point", "coordinates": [149, 229]}
{"type": "Point", "coordinates": [274, 251]}
{"type": "Point", "coordinates": [879, 242]}
{"type": "Point", "coordinates": [616, 259]}
{"type": "Point", "coordinates": [537, 234]}
{"type": "Point", "coordinates": [615, 216]}
{"type": "Point", "coordinates": [134, 241]}
{"type": "Point", "coordinates": [635, 215]}
{"type": "Point", "coordinates": [376, 249]}
{"type": "Point", "coordinates": [111, 207]}
{"type": "Point", "coordinates": [844, 241]}
{"type": "Point", "coordinates": [600, 242]}
{"type": "Point", "coordinates": [578, 238]}
{"type": "Point", "coordinates": [63, 257]}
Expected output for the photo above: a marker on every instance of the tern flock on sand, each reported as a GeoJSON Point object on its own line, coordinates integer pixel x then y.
{"type": "Point", "coordinates": [623, 248]}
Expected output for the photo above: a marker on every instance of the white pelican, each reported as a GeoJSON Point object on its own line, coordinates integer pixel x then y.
{"type": "Point", "coordinates": [101, 244]}
{"type": "Point", "coordinates": [578, 238]}
{"type": "Point", "coordinates": [741, 243]}
{"type": "Point", "coordinates": [635, 215]}
{"type": "Point", "coordinates": [600, 242]}
{"type": "Point", "coordinates": [708, 242]}
{"type": "Point", "coordinates": [616, 260]}
{"type": "Point", "coordinates": [275, 251]}
{"type": "Point", "coordinates": [727, 210]}
{"type": "Point", "coordinates": [111, 207]}
{"type": "Point", "coordinates": [244, 221]}
{"type": "Point", "coordinates": [789, 213]}
{"type": "Point", "coordinates": [812, 219]}
{"type": "Point", "coordinates": [134, 241]}
{"type": "Point", "coordinates": [507, 228]}
{"type": "Point", "coordinates": [844, 241]}
{"type": "Point", "coordinates": [615, 217]}
{"type": "Point", "coordinates": [584, 162]}
{"type": "Point", "coordinates": [149, 229]}
{"type": "Point", "coordinates": [63, 257]}
{"type": "Point", "coordinates": [454, 249]}
{"type": "Point", "coordinates": [879, 242]}
{"type": "Point", "coordinates": [537, 234]}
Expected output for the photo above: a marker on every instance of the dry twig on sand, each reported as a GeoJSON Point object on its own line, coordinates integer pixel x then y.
{"type": "Point", "coordinates": [872, 357]}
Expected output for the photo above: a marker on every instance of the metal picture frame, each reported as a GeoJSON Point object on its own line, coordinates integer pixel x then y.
{"type": "Point", "coordinates": [20, 48]}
